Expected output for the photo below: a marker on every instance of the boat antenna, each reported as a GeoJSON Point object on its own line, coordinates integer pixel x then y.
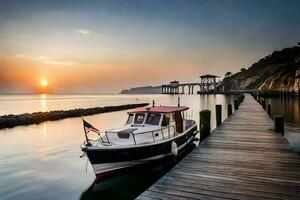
{"type": "Point", "coordinates": [153, 103]}
{"type": "Point", "coordinates": [178, 101]}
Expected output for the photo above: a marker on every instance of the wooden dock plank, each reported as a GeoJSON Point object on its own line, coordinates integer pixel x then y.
{"type": "Point", "coordinates": [244, 158]}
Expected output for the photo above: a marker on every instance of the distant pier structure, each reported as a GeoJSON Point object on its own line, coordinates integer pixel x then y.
{"type": "Point", "coordinates": [207, 84]}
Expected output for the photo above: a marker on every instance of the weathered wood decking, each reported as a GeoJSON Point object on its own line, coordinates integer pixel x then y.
{"type": "Point", "coordinates": [242, 159]}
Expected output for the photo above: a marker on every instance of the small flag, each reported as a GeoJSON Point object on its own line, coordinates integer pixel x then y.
{"type": "Point", "coordinates": [88, 127]}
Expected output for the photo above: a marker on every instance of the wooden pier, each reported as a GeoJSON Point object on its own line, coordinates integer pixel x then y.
{"type": "Point", "coordinates": [244, 158]}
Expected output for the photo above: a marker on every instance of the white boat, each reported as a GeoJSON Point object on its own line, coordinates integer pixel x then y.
{"type": "Point", "coordinates": [150, 134]}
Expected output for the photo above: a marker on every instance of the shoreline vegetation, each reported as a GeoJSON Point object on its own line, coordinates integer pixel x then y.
{"type": "Point", "coordinates": [10, 121]}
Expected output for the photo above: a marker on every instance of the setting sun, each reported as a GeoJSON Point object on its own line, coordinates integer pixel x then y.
{"type": "Point", "coordinates": [43, 86]}
{"type": "Point", "coordinates": [44, 83]}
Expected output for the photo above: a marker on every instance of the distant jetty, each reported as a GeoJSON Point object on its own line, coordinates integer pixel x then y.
{"type": "Point", "coordinates": [9, 121]}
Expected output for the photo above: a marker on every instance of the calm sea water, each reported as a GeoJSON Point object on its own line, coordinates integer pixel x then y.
{"type": "Point", "coordinates": [43, 161]}
{"type": "Point", "coordinates": [289, 108]}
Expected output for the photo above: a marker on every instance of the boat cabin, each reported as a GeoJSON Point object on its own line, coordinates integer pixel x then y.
{"type": "Point", "coordinates": [162, 116]}
{"type": "Point", "coordinates": [148, 125]}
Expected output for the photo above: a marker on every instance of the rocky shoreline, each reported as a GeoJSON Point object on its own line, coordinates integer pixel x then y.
{"type": "Point", "coordinates": [276, 74]}
{"type": "Point", "coordinates": [9, 121]}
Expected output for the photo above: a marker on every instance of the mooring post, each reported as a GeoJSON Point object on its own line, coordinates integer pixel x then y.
{"type": "Point", "coordinates": [269, 110]}
{"type": "Point", "coordinates": [263, 103]}
{"type": "Point", "coordinates": [236, 106]}
{"type": "Point", "coordinates": [240, 99]}
{"type": "Point", "coordinates": [285, 93]}
{"type": "Point", "coordinates": [204, 124]}
{"type": "Point", "coordinates": [229, 110]}
{"type": "Point", "coordinates": [279, 124]}
{"type": "Point", "coordinates": [280, 92]}
{"type": "Point", "coordinates": [218, 114]}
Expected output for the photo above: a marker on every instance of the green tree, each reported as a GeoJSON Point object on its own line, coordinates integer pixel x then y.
{"type": "Point", "coordinates": [228, 74]}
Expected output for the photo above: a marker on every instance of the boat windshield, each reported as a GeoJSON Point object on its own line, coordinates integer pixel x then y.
{"type": "Point", "coordinates": [130, 119]}
{"type": "Point", "coordinates": [139, 118]}
{"type": "Point", "coordinates": [153, 119]}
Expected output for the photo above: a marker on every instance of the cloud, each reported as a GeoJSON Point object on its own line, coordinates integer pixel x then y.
{"type": "Point", "coordinates": [41, 59]}
{"type": "Point", "coordinates": [66, 63]}
{"type": "Point", "coordinates": [83, 31]}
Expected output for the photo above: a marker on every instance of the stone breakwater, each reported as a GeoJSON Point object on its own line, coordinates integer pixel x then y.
{"type": "Point", "coordinates": [9, 121]}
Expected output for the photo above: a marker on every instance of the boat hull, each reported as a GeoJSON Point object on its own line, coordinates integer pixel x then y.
{"type": "Point", "coordinates": [109, 161]}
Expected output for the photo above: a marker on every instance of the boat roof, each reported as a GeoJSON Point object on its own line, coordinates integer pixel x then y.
{"type": "Point", "coordinates": [160, 109]}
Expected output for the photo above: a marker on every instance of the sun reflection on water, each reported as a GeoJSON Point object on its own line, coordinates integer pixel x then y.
{"type": "Point", "coordinates": [43, 100]}
{"type": "Point", "coordinates": [44, 131]}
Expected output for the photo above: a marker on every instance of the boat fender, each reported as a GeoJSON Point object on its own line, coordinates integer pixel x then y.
{"type": "Point", "coordinates": [174, 149]}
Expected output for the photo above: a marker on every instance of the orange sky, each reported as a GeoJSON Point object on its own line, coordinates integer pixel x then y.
{"type": "Point", "coordinates": [111, 45]}
{"type": "Point", "coordinates": [24, 73]}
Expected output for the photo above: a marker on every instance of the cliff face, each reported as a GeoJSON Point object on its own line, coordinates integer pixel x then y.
{"type": "Point", "coordinates": [280, 70]}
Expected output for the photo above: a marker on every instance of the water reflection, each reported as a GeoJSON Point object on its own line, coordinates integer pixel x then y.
{"type": "Point", "coordinates": [43, 102]}
{"type": "Point", "coordinates": [43, 161]}
{"type": "Point", "coordinates": [45, 131]}
{"type": "Point", "coordinates": [288, 107]}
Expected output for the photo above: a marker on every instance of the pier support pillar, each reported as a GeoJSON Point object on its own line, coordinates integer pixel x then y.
{"type": "Point", "coordinates": [229, 110]}
{"type": "Point", "coordinates": [204, 124]}
{"type": "Point", "coordinates": [218, 114]}
{"type": "Point", "coordinates": [263, 103]}
{"type": "Point", "coordinates": [279, 124]}
{"type": "Point", "coordinates": [269, 110]}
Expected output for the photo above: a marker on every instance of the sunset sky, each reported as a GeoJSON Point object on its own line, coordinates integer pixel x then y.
{"type": "Point", "coordinates": [106, 46]}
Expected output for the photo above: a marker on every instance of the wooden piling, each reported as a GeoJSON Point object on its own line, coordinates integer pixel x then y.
{"type": "Point", "coordinates": [279, 124]}
{"type": "Point", "coordinates": [240, 99]}
{"type": "Point", "coordinates": [229, 110]}
{"type": "Point", "coordinates": [235, 104]}
{"type": "Point", "coordinates": [263, 103]}
{"type": "Point", "coordinates": [218, 114]}
{"type": "Point", "coordinates": [285, 93]}
{"type": "Point", "coordinates": [269, 110]}
{"type": "Point", "coordinates": [204, 124]}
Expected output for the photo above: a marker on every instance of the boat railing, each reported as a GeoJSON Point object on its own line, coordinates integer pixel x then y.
{"type": "Point", "coordinates": [153, 133]}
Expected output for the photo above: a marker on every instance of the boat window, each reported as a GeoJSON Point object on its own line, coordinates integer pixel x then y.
{"type": "Point", "coordinates": [166, 120]}
{"type": "Point", "coordinates": [139, 118]}
{"type": "Point", "coordinates": [130, 119]}
{"type": "Point", "coordinates": [173, 117]}
{"type": "Point", "coordinates": [153, 119]}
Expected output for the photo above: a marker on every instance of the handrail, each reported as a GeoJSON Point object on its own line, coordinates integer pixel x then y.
{"type": "Point", "coordinates": [107, 137]}
{"type": "Point", "coordinates": [145, 132]}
